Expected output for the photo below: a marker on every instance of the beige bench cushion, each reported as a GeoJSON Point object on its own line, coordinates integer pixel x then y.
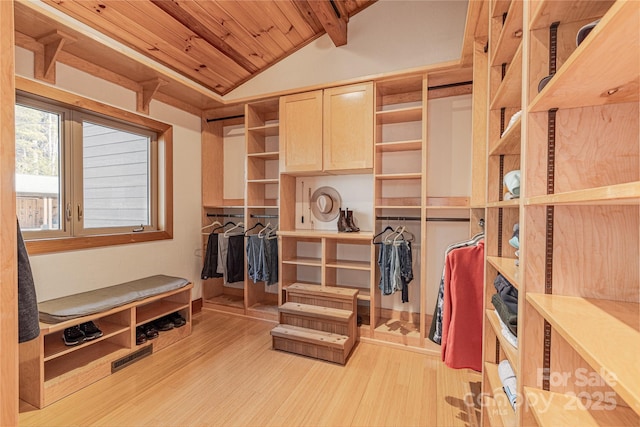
{"type": "Point", "coordinates": [99, 300]}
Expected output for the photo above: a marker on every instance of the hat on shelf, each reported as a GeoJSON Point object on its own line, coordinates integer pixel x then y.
{"type": "Point", "coordinates": [512, 182]}
{"type": "Point", "coordinates": [325, 204]}
{"type": "Point", "coordinates": [584, 31]}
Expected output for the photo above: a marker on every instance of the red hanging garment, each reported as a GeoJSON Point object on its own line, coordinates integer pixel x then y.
{"type": "Point", "coordinates": [462, 310]}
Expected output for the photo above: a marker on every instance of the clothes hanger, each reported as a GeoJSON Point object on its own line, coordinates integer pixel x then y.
{"type": "Point", "coordinates": [261, 233]}
{"type": "Point", "coordinates": [400, 234]}
{"type": "Point", "coordinates": [411, 237]}
{"type": "Point", "coordinates": [272, 233]}
{"type": "Point", "coordinates": [258, 224]}
{"type": "Point", "coordinates": [387, 228]}
{"type": "Point", "coordinates": [394, 234]}
{"type": "Point", "coordinates": [223, 226]}
{"type": "Point", "coordinates": [213, 224]}
{"type": "Point", "coordinates": [239, 225]}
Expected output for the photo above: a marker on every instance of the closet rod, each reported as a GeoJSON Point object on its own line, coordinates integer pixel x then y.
{"type": "Point", "coordinates": [449, 219]}
{"type": "Point", "coordinates": [225, 215]}
{"type": "Point", "coordinates": [450, 85]}
{"type": "Point", "coordinates": [225, 118]}
{"type": "Point", "coordinates": [398, 218]}
{"type": "Point", "coordinates": [417, 218]}
{"type": "Point", "coordinates": [263, 216]}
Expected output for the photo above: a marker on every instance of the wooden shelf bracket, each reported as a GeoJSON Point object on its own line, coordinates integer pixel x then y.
{"type": "Point", "coordinates": [45, 59]}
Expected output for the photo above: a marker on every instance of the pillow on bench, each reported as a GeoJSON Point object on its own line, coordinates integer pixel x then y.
{"type": "Point", "coordinates": [100, 300]}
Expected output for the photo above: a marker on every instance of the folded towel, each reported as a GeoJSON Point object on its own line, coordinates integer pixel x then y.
{"type": "Point", "coordinates": [511, 339]}
{"type": "Point", "coordinates": [508, 379]}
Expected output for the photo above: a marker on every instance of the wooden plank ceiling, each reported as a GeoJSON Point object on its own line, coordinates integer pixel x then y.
{"type": "Point", "coordinates": [219, 44]}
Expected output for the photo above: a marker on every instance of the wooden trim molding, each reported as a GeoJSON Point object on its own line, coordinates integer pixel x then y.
{"type": "Point", "coordinates": [196, 306]}
{"type": "Point", "coordinates": [165, 141]}
{"type": "Point", "coordinates": [8, 242]}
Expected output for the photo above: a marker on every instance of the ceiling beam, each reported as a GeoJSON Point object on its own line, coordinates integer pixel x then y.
{"type": "Point", "coordinates": [333, 21]}
{"type": "Point", "coordinates": [173, 9]}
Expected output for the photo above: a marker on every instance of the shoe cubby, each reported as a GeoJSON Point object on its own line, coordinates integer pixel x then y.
{"type": "Point", "coordinates": [178, 303]}
{"type": "Point", "coordinates": [51, 370]}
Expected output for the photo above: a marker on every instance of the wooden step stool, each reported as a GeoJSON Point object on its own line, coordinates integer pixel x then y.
{"type": "Point", "coordinates": [317, 321]}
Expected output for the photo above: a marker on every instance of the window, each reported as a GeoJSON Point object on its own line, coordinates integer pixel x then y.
{"type": "Point", "coordinates": [85, 178]}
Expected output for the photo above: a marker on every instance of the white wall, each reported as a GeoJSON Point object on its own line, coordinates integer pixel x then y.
{"type": "Point", "coordinates": [390, 35]}
{"type": "Point", "coordinates": [71, 272]}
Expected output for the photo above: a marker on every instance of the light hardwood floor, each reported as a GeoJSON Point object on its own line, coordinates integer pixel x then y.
{"type": "Point", "coordinates": [226, 373]}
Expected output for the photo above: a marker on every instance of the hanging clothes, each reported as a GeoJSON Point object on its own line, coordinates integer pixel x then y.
{"type": "Point", "coordinates": [462, 308]}
{"type": "Point", "coordinates": [262, 259]}
{"type": "Point", "coordinates": [271, 259]}
{"type": "Point", "coordinates": [396, 267]}
{"type": "Point", "coordinates": [28, 316]}
{"type": "Point", "coordinates": [210, 267]}
{"type": "Point", "coordinates": [235, 258]}
{"type": "Point", "coordinates": [256, 259]}
{"type": "Point", "coordinates": [435, 332]}
{"type": "Point", "coordinates": [223, 248]}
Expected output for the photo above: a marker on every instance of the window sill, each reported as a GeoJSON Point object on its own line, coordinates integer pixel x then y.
{"type": "Point", "coordinates": [45, 246]}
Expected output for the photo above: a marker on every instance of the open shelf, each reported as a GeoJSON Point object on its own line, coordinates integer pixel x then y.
{"type": "Point", "coordinates": [595, 328]}
{"type": "Point", "coordinates": [157, 309]}
{"type": "Point", "coordinates": [317, 234]}
{"type": "Point", "coordinates": [227, 300]}
{"type": "Point", "coordinates": [269, 129]}
{"type": "Point", "coordinates": [270, 155]}
{"type": "Point", "coordinates": [398, 328]}
{"type": "Point", "coordinates": [447, 203]}
{"type": "Point", "coordinates": [397, 176]}
{"type": "Point", "coordinates": [510, 142]}
{"type": "Point", "coordinates": [553, 409]}
{"type": "Point", "coordinates": [61, 368]}
{"type": "Point", "coordinates": [504, 410]}
{"type": "Point", "coordinates": [55, 346]}
{"type": "Point", "coordinates": [513, 203]}
{"type": "Point", "coordinates": [386, 147]}
{"type": "Point", "coordinates": [349, 265]}
{"type": "Point", "coordinates": [398, 202]}
{"type": "Point", "coordinates": [507, 267]}
{"type": "Point", "coordinates": [587, 78]}
{"type": "Point", "coordinates": [510, 351]}
{"type": "Point", "coordinates": [313, 262]}
{"type": "Point", "coordinates": [618, 194]}
{"type": "Point", "coordinates": [510, 36]}
{"type": "Point", "coordinates": [550, 11]}
{"type": "Point", "coordinates": [509, 93]}
{"type": "Point", "coordinates": [399, 115]}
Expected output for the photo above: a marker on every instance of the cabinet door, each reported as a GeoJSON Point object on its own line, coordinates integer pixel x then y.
{"type": "Point", "coordinates": [301, 132]}
{"type": "Point", "coordinates": [348, 128]}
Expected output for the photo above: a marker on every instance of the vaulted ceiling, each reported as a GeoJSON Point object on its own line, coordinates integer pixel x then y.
{"type": "Point", "coordinates": [219, 44]}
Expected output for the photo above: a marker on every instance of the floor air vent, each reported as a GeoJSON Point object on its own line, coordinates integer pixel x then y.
{"type": "Point", "coordinates": [129, 359]}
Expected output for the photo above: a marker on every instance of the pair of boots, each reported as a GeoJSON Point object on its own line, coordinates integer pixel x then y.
{"type": "Point", "coordinates": [345, 222]}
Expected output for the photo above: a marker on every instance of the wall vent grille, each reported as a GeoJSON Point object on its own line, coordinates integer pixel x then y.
{"type": "Point", "coordinates": [127, 360]}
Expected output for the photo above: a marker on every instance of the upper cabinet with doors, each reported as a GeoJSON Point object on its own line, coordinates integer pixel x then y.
{"type": "Point", "coordinates": [327, 131]}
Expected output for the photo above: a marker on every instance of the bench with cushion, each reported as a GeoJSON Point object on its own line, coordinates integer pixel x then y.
{"type": "Point", "coordinates": [51, 370]}
{"type": "Point", "coordinates": [104, 299]}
